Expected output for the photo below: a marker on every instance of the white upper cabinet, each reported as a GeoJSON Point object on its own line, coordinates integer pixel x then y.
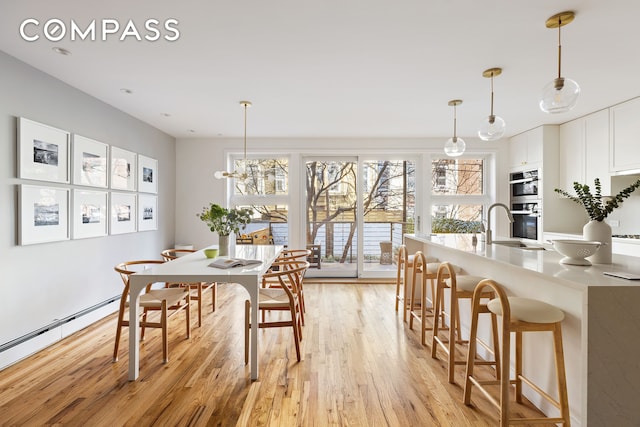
{"type": "Point", "coordinates": [584, 152]}
{"type": "Point", "coordinates": [625, 136]}
{"type": "Point", "coordinates": [571, 154]}
{"type": "Point", "coordinates": [525, 149]}
{"type": "Point", "coordinates": [596, 138]}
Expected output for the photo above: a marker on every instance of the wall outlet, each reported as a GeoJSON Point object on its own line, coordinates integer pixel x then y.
{"type": "Point", "coordinates": [614, 223]}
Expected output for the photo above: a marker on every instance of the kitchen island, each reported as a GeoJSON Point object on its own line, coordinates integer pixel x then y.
{"type": "Point", "coordinates": [601, 330]}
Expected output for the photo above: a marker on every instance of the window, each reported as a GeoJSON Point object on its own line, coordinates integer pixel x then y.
{"type": "Point", "coordinates": [264, 177]}
{"type": "Point", "coordinates": [458, 195]}
{"type": "Point", "coordinates": [266, 192]}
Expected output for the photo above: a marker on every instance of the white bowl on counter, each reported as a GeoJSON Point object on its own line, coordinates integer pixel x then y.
{"type": "Point", "coordinates": [575, 251]}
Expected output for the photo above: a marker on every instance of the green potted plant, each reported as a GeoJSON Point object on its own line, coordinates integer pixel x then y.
{"type": "Point", "coordinates": [225, 222]}
{"type": "Point", "coordinates": [598, 207]}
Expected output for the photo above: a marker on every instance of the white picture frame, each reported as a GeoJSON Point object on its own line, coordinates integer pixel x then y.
{"type": "Point", "coordinates": [89, 215]}
{"type": "Point", "coordinates": [123, 213]}
{"type": "Point", "coordinates": [43, 152]}
{"type": "Point", "coordinates": [147, 212]}
{"type": "Point", "coordinates": [147, 174]}
{"type": "Point", "coordinates": [123, 169]}
{"type": "Point", "coordinates": [44, 214]}
{"type": "Point", "coordinates": [90, 162]}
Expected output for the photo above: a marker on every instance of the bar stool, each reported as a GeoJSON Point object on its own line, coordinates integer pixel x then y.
{"type": "Point", "coordinates": [405, 262]}
{"type": "Point", "coordinates": [462, 287]}
{"type": "Point", "coordinates": [428, 269]}
{"type": "Point", "coordinates": [518, 315]}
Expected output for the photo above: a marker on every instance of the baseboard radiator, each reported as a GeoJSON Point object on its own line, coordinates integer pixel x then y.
{"type": "Point", "coordinates": [53, 332]}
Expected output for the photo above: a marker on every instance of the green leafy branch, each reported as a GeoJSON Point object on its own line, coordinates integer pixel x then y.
{"type": "Point", "coordinates": [597, 206]}
{"type": "Point", "coordinates": [225, 221]}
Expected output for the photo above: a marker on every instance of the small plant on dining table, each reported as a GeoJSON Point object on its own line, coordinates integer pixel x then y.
{"type": "Point", "coordinates": [225, 221]}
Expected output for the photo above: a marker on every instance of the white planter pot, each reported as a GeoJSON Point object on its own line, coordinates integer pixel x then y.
{"type": "Point", "coordinates": [599, 231]}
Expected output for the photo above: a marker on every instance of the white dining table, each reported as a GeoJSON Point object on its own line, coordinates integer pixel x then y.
{"type": "Point", "coordinates": [194, 267]}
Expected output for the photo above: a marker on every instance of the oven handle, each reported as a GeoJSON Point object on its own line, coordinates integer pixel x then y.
{"type": "Point", "coordinates": [525, 213]}
{"type": "Point", "coordinates": [523, 180]}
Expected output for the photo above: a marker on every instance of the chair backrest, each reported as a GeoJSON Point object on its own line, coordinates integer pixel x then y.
{"type": "Point", "coordinates": [289, 274]}
{"type": "Point", "coordinates": [127, 268]}
{"type": "Point", "coordinates": [169, 254]}
{"type": "Point", "coordinates": [294, 254]}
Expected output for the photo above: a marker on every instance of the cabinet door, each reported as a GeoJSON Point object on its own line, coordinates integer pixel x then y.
{"type": "Point", "coordinates": [572, 154]}
{"type": "Point", "coordinates": [518, 150]}
{"type": "Point", "coordinates": [625, 130]}
{"type": "Point", "coordinates": [596, 142]}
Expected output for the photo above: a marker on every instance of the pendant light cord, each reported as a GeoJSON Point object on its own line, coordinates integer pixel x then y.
{"type": "Point", "coordinates": [559, 48]}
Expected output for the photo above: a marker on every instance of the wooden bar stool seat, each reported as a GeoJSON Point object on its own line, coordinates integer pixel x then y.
{"type": "Point", "coordinates": [461, 287]}
{"type": "Point", "coordinates": [519, 315]}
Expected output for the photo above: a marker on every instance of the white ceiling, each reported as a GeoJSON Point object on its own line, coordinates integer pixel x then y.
{"type": "Point", "coordinates": [337, 68]}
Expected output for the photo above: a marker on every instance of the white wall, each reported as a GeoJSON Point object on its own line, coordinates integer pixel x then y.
{"type": "Point", "coordinates": [198, 159]}
{"type": "Point", "coordinates": [44, 282]}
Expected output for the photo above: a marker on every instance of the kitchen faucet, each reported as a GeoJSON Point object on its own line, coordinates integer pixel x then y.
{"type": "Point", "coordinates": [488, 238]}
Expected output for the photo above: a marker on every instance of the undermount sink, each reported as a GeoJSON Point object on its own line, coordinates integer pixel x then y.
{"type": "Point", "coordinates": [518, 244]}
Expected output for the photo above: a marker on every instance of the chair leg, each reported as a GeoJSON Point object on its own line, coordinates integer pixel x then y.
{"type": "Point", "coordinates": [247, 325]}
{"type": "Point", "coordinates": [144, 321]}
{"type": "Point", "coordinates": [518, 363]}
{"type": "Point", "coordinates": [563, 398]}
{"type": "Point", "coordinates": [214, 295]}
{"type": "Point", "coordinates": [165, 340]}
{"type": "Point", "coordinates": [436, 319]}
{"type": "Point", "coordinates": [296, 332]}
{"type": "Point", "coordinates": [471, 353]}
{"type": "Point", "coordinates": [496, 344]}
{"type": "Point", "coordinates": [118, 332]}
{"type": "Point", "coordinates": [454, 317]}
{"type": "Point", "coordinates": [398, 278]}
{"type": "Point", "coordinates": [200, 304]}
{"type": "Point", "coordinates": [188, 313]}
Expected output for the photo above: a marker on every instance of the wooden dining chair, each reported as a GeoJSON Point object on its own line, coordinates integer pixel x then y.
{"type": "Point", "coordinates": [167, 301]}
{"type": "Point", "coordinates": [199, 288]}
{"type": "Point", "coordinates": [283, 298]}
{"type": "Point", "coordinates": [290, 255]}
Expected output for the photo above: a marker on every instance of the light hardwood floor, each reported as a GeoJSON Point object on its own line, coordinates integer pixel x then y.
{"type": "Point", "coordinates": [362, 366]}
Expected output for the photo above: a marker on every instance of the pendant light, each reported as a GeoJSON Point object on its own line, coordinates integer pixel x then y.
{"type": "Point", "coordinates": [492, 127]}
{"type": "Point", "coordinates": [241, 172]}
{"type": "Point", "coordinates": [561, 94]}
{"type": "Point", "coordinates": [454, 146]}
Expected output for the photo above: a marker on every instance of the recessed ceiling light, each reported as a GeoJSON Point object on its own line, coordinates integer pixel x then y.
{"type": "Point", "coordinates": [61, 51]}
{"type": "Point", "coordinates": [127, 91]}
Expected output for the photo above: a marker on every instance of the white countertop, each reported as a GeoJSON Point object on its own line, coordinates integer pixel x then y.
{"type": "Point", "coordinates": [546, 262]}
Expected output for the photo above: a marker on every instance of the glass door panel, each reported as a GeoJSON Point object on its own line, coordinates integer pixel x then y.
{"type": "Point", "coordinates": [388, 209]}
{"type": "Point", "coordinates": [331, 228]}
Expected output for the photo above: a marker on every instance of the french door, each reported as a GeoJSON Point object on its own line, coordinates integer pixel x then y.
{"type": "Point", "coordinates": [356, 212]}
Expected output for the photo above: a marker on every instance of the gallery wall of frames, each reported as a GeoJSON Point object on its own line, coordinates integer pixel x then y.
{"type": "Point", "coordinates": [81, 188]}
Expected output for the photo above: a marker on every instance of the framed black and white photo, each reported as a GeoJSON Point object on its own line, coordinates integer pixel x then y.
{"type": "Point", "coordinates": [89, 162]}
{"type": "Point", "coordinates": [147, 174]}
{"type": "Point", "coordinates": [123, 169]}
{"type": "Point", "coordinates": [89, 217]}
{"type": "Point", "coordinates": [44, 214]}
{"type": "Point", "coordinates": [147, 212]}
{"type": "Point", "coordinates": [43, 152]}
{"type": "Point", "coordinates": [123, 213]}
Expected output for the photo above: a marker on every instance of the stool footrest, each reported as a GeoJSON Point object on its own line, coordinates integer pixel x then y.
{"type": "Point", "coordinates": [542, 393]}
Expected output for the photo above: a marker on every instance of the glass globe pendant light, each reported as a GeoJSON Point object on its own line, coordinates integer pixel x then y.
{"type": "Point", "coordinates": [492, 127]}
{"type": "Point", "coordinates": [561, 94]}
{"type": "Point", "coordinates": [241, 171]}
{"type": "Point", "coordinates": [454, 146]}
